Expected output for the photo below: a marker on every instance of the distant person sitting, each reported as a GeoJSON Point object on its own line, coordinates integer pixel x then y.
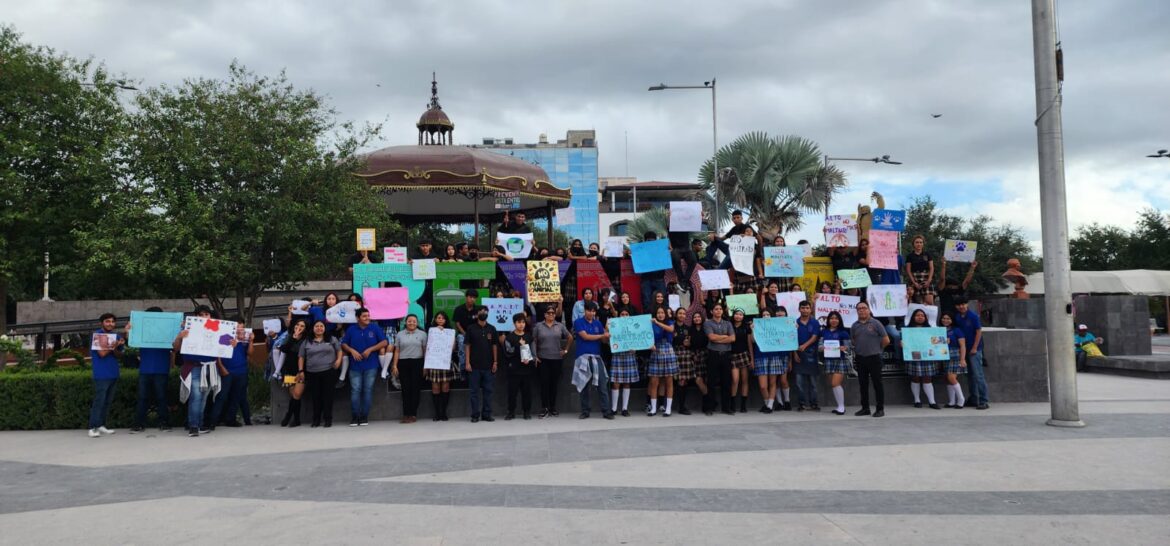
{"type": "Point", "coordinates": [719, 243]}
{"type": "Point", "coordinates": [1082, 338]}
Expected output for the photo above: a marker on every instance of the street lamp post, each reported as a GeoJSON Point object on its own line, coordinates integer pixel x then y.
{"type": "Point", "coordinates": [1160, 154]}
{"type": "Point", "coordinates": [714, 138]}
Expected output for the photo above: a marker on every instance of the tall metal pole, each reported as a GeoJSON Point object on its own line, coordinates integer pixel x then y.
{"type": "Point", "coordinates": [1062, 372]}
{"type": "Point", "coordinates": [714, 156]}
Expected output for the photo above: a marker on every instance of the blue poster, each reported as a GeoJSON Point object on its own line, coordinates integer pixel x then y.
{"type": "Point", "coordinates": [651, 256]}
{"type": "Point", "coordinates": [630, 333]}
{"type": "Point", "coordinates": [775, 334]}
{"type": "Point", "coordinates": [154, 330]}
{"type": "Point", "coordinates": [783, 261]}
{"type": "Point", "coordinates": [501, 311]}
{"type": "Point", "coordinates": [925, 344]}
{"type": "Point", "coordinates": [888, 220]}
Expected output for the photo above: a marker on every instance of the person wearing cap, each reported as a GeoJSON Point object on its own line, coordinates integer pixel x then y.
{"type": "Point", "coordinates": [968, 321]}
{"type": "Point", "coordinates": [1082, 337]}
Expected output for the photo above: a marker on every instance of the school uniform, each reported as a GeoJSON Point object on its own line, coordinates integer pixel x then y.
{"type": "Point", "coordinates": [920, 270]}
{"type": "Point", "coordinates": [955, 364]}
{"type": "Point", "coordinates": [682, 353]}
{"type": "Point", "coordinates": [663, 361]}
{"type": "Point", "coordinates": [836, 365]}
{"type": "Point", "coordinates": [740, 357]}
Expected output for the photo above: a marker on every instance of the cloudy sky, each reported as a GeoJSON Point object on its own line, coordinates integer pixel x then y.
{"type": "Point", "coordinates": [859, 77]}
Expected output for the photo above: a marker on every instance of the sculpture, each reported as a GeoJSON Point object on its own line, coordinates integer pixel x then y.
{"type": "Point", "coordinates": [865, 215]}
{"type": "Point", "coordinates": [1017, 278]}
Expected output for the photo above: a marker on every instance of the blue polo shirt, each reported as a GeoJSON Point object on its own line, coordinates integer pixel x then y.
{"type": "Point", "coordinates": [238, 363]}
{"type": "Point", "coordinates": [104, 367]}
{"type": "Point", "coordinates": [661, 335]}
{"type": "Point", "coordinates": [969, 324]}
{"type": "Point", "coordinates": [584, 346]}
{"type": "Point", "coordinates": [360, 339]}
{"type": "Point", "coordinates": [805, 332]}
{"type": "Point", "coordinates": [154, 361]}
{"type": "Point", "coordinates": [953, 337]}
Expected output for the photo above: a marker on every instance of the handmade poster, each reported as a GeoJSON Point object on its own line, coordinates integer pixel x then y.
{"type": "Point", "coordinates": [854, 278]}
{"type": "Point", "coordinates": [345, 312]}
{"type": "Point", "coordinates": [208, 337]}
{"type": "Point", "coordinates": [747, 302]}
{"type": "Point", "coordinates": [790, 301]}
{"type": "Point", "coordinates": [925, 344]}
{"type": "Point", "coordinates": [517, 274]}
{"type": "Point", "coordinates": [394, 255]}
{"type": "Point", "coordinates": [832, 348]}
{"type": "Point", "coordinates": [845, 305]}
{"type": "Point", "coordinates": [651, 256]}
{"type": "Point", "coordinates": [154, 330]}
{"type": "Point", "coordinates": [501, 310]}
{"type": "Point", "coordinates": [105, 342]}
{"type": "Point", "coordinates": [440, 347]}
{"type": "Point", "coordinates": [566, 216]}
{"type": "Point", "coordinates": [775, 334]}
{"type": "Point", "coordinates": [888, 220]}
{"type": "Point", "coordinates": [883, 249]}
{"type": "Point", "coordinates": [783, 261]}
{"type": "Point", "coordinates": [673, 301]}
{"type": "Point", "coordinates": [507, 200]}
{"type": "Point", "coordinates": [366, 276]}
{"type": "Point", "coordinates": [743, 254]}
{"type": "Point", "coordinates": [686, 216]}
{"type": "Point", "coordinates": [446, 288]}
{"type": "Point", "coordinates": [271, 326]}
{"type": "Point", "coordinates": [887, 300]}
{"type": "Point", "coordinates": [516, 245]}
{"type": "Point", "coordinates": [960, 251]}
{"type": "Point", "coordinates": [615, 247]}
{"type": "Point", "coordinates": [841, 230]}
{"type": "Point", "coordinates": [930, 310]}
{"type": "Point", "coordinates": [630, 333]}
{"type": "Point", "coordinates": [422, 270]}
{"type": "Point", "coordinates": [544, 282]}
{"type": "Point", "coordinates": [366, 239]}
{"type": "Point", "coordinates": [299, 307]}
{"type": "Point", "coordinates": [715, 279]}
{"type": "Point", "coordinates": [387, 303]}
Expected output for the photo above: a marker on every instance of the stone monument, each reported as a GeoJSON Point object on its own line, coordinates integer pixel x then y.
{"type": "Point", "coordinates": [1017, 278]}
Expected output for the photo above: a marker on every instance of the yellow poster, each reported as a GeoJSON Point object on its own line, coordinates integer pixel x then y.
{"type": "Point", "coordinates": [544, 282]}
{"type": "Point", "coordinates": [816, 270]}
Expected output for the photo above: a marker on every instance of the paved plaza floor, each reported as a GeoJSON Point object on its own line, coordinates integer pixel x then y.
{"type": "Point", "coordinates": [918, 476]}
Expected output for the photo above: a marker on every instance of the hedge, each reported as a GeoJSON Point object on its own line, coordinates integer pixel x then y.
{"type": "Point", "coordinates": [60, 399]}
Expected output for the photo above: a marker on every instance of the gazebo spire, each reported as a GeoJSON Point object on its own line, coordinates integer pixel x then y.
{"type": "Point", "coordinates": [435, 121]}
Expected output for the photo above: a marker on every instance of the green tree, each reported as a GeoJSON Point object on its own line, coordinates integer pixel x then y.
{"type": "Point", "coordinates": [1149, 243]}
{"type": "Point", "coordinates": [776, 179]}
{"type": "Point", "coordinates": [1099, 248]}
{"type": "Point", "coordinates": [236, 186]}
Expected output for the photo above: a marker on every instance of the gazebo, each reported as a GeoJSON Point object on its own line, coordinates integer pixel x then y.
{"type": "Point", "coordinates": [436, 181]}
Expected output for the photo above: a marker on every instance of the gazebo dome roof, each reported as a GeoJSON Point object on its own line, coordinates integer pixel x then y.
{"type": "Point", "coordinates": [434, 117]}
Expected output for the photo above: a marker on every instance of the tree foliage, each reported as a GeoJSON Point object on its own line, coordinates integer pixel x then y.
{"type": "Point", "coordinates": [1102, 248]}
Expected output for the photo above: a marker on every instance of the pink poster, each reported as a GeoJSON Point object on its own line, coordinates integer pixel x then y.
{"type": "Point", "coordinates": [386, 303]}
{"type": "Point", "coordinates": [883, 249]}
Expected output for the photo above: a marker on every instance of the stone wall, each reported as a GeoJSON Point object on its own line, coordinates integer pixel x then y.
{"type": "Point", "coordinates": [1124, 322]}
{"type": "Point", "coordinates": [1013, 313]}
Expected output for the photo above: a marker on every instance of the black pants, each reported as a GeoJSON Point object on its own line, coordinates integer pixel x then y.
{"type": "Point", "coordinates": [410, 373]}
{"type": "Point", "coordinates": [550, 378]}
{"type": "Point", "coordinates": [679, 257]}
{"type": "Point", "coordinates": [870, 367]}
{"type": "Point", "coordinates": [718, 380]}
{"type": "Point", "coordinates": [520, 383]}
{"type": "Point", "coordinates": [320, 387]}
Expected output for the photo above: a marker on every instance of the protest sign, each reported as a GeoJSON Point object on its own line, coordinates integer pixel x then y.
{"type": "Point", "coordinates": [783, 261]}
{"type": "Point", "coordinates": [517, 274]}
{"type": "Point", "coordinates": [930, 310]}
{"type": "Point", "coordinates": [208, 337]}
{"type": "Point", "coordinates": [790, 301]}
{"type": "Point", "coordinates": [422, 270]}
{"type": "Point", "coordinates": [686, 216]}
{"type": "Point", "coordinates": [673, 301]}
{"type": "Point", "coordinates": [883, 249]}
{"type": "Point", "coordinates": [747, 302]}
{"type": "Point", "coordinates": [960, 251]}
{"type": "Point", "coordinates": [345, 312]}
{"type": "Point", "coordinates": [104, 342]}
{"type": "Point", "coordinates": [300, 307]}
{"type": "Point", "coordinates": [775, 334]}
{"type": "Point", "coordinates": [394, 255]}
{"type": "Point", "coordinates": [832, 348]}
{"type": "Point", "coordinates": [501, 310]}
{"type": "Point", "coordinates": [566, 216]}
{"type": "Point", "coordinates": [806, 248]}
{"type": "Point", "coordinates": [845, 305]}
{"type": "Point", "coordinates": [366, 239]}
{"type": "Point", "coordinates": [841, 230]}
{"type": "Point", "coordinates": [743, 254]}
{"type": "Point", "coordinates": [446, 287]}
{"type": "Point", "coordinates": [507, 200]}
{"type": "Point", "coordinates": [271, 326]}
{"type": "Point", "coordinates": [853, 278]}
{"type": "Point", "coordinates": [925, 344]}
{"type": "Point", "coordinates": [387, 303]}
{"type": "Point", "coordinates": [615, 247]}
{"type": "Point", "coordinates": [650, 256]}
{"type": "Point", "coordinates": [516, 245]}
{"type": "Point", "coordinates": [440, 347]}
{"type": "Point", "coordinates": [630, 333]}
{"type": "Point", "coordinates": [544, 282]}
{"type": "Point", "coordinates": [888, 220]}
{"type": "Point", "coordinates": [154, 330]}
{"type": "Point", "coordinates": [366, 276]}
{"type": "Point", "coordinates": [715, 279]}
{"type": "Point", "coordinates": [887, 300]}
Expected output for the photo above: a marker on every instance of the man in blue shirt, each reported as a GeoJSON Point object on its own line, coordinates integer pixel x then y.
{"type": "Point", "coordinates": [590, 334]}
{"type": "Point", "coordinates": [968, 321]}
{"type": "Point", "coordinates": [154, 371]}
{"type": "Point", "coordinates": [105, 373]}
{"type": "Point", "coordinates": [808, 331]}
{"type": "Point", "coordinates": [361, 343]}
{"type": "Point", "coordinates": [1082, 337]}
{"type": "Point", "coordinates": [234, 386]}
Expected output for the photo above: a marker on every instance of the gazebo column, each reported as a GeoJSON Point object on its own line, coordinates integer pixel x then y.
{"type": "Point", "coordinates": [549, 210]}
{"type": "Point", "coordinates": [476, 228]}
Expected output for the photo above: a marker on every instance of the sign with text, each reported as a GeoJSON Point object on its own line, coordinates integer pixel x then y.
{"type": "Point", "coordinates": [715, 279]}
{"type": "Point", "coordinates": [854, 278]}
{"type": "Point", "coordinates": [775, 334]}
{"type": "Point", "coordinates": [544, 282]}
{"type": "Point", "coordinates": [630, 333]}
{"type": "Point", "coordinates": [149, 330]}
{"type": "Point", "coordinates": [841, 230]}
{"type": "Point", "coordinates": [686, 216]}
{"type": "Point", "coordinates": [345, 312]}
{"type": "Point", "coordinates": [566, 216]}
{"type": "Point", "coordinates": [516, 245]}
{"type": "Point", "coordinates": [925, 344]}
{"type": "Point", "coordinates": [422, 270]}
{"type": "Point", "coordinates": [615, 247]}
{"type": "Point", "coordinates": [394, 255]}
{"type": "Point", "coordinates": [366, 239]}
{"type": "Point", "coordinates": [440, 347]}
{"type": "Point", "coordinates": [501, 311]}
{"type": "Point", "coordinates": [930, 310]}
{"type": "Point", "coordinates": [743, 254]}
{"type": "Point", "coordinates": [507, 200]}
{"type": "Point", "coordinates": [746, 302]}
{"type": "Point", "coordinates": [790, 301]}
{"type": "Point", "coordinates": [367, 276]}
{"type": "Point", "coordinates": [832, 348]}
{"type": "Point", "coordinates": [883, 249]}
{"type": "Point", "coordinates": [208, 337]}
{"type": "Point", "coordinates": [845, 305]}
{"type": "Point", "coordinates": [960, 251]}
{"type": "Point", "coordinates": [783, 261]}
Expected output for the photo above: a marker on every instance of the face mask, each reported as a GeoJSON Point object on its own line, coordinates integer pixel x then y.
{"type": "Point", "coordinates": [481, 316]}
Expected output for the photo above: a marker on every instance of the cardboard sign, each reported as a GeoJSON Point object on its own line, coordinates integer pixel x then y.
{"type": "Point", "coordinates": [925, 344]}
{"type": "Point", "coordinates": [715, 279]}
{"type": "Point", "coordinates": [209, 337]}
{"type": "Point", "coordinates": [783, 261]}
{"type": "Point", "coordinates": [743, 254]}
{"type": "Point", "coordinates": [501, 311]}
{"type": "Point", "coordinates": [673, 301]}
{"type": "Point", "coordinates": [387, 303]}
{"type": "Point", "coordinates": [747, 302]}
{"type": "Point", "coordinates": [630, 333]}
{"type": "Point", "coordinates": [651, 256]}
{"type": "Point", "coordinates": [841, 230]}
{"type": "Point", "coordinates": [544, 282]}
{"type": "Point", "coordinates": [615, 247]}
{"type": "Point", "coordinates": [367, 276]}
{"type": "Point", "coordinates": [566, 216]}
{"type": "Point", "coordinates": [516, 245]}
{"type": "Point", "coordinates": [854, 278]}
{"type": "Point", "coordinates": [960, 251]}
{"type": "Point", "coordinates": [930, 310]}
{"type": "Point", "coordinates": [422, 270]}
{"type": "Point", "coordinates": [775, 334]}
{"type": "Point", "coordinates": [888, 220]}
{"type": "Point", "coordinates": [686, 216]}
{"type": "Point", "coordinates": [887, 300]}
{"type": "Point", "coordinates": [345, 312]}
{"type": "Point", "coordinates": [366, 239]}
{"type": "Point", "coordinates": [154, 330]}
{"type": "Point", "coordinates": [440, 347]}
{"type": "Point", "coordinates": [883, 249]}
{"type": "Point", "coordinates": [299, 307]}
{"type": "Point", "coordinates": [394, 255]}
{"type": "Point", "coordinates": [845, 305]}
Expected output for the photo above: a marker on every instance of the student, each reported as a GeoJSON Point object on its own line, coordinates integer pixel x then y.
{"type": "Point", "coordinates": [317, 312]}
{"type": "Point", "coordinates": [747, 281]}
{"type": "Point", "coordinates": [199, 375]}
{"type": "Point", "coordinates": [410, 346]}
{"type": "Point", "coordinates": [154, 369]}
{"type": "Point", "coordinates": [625, 302]}
{"type": "Point", "coordinates": [957, 344]}
{"type": "Point", "coordinates": [318, 360]}
{"type": "Point", "coordinates": [720, 337]}
{"type": "Point", "coordinates": [766, 366]}
{"type": "Point", "coordinates": [920, 270]}
{"type": "Point", "coordinates": [481, 361]}
{"type": "Point", "coordinates": [551, 342]}
{"type": "Point", "coordinates": [660, 302]}
{"type": "Point", "coordinates": [577, 250]}
{"type": "Point", "coordinates": [697, 341]}
{"type": "Point", "coordinates": [718, 243]}
{"type": "Point", "coordinates": [234, 385]}
{"type": "Point", "coordinates": [783, 392]}
{"type": "Point", "coordinates": [450, 254]}
{"type": "Point", "coordinates": [682, 257]}
{"type": "Point", "coordinates": [682, 353]}
{"type": "Point", "coordinates": [105, 375]}
{"type": "Point", "coordinates": [869, 338]}
{"type": "Point", "coordinates": [441, 379]}
{"type": "Point", "coordinates": [289, 343]}
{"type": "Point", "coordinates": [836, 367]}
{"type": "Point", "coordinates": [968, 322]}
{"type": "Point", "coordinates": [783, 284]}
{"type": "Point", "coordinates": [949, 291]}
{"type": "Point", "coordinates": [652, 281]}
{"type": "Point", "coordinates": [606, 308]}
{"type": "Point", "coordinates": [361, 342]}
{"type": "Point", "coordinates": [663, 362]}
{"type": "Point", "coordinates": [623, 373]}
{"type": "Point", "coordinates": [464, 315]}
{"type": "Point", "coordinates": [921, 372]}
{"type": "Point", "coordinates": [808, 331]}
{"type": "Point", "coordinates": [520, 360]}
{"type": "Point", "coordinates": [579, 307]}
{"type": "Point", "coordinates": [589, 368]}
{"type": "Point", "coordinates": [741, 360]}
{"type": "Point", "coordinates": [594, 251]}
{"type": "Point", "coordinates": [514, 223]}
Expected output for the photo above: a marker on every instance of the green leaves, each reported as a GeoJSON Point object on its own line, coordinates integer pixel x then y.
{"type": "Point", "coordinates": [1103, 248]}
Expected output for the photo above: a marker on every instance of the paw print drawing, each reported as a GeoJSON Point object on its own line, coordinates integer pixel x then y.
{"type": "Point", "coordinates": [961, 246]}
{"type": "Point", "coordinates": [501, 316]}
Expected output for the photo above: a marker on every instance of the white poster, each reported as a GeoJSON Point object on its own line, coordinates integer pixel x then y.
{"type": "Point", "coordinates": [673, 301]}
{"type": "Point", "coordinates": [743, 254]}
{"type": "Point", "coordinates": [930, 310]}
{"type": "Point", "coordinates": [566, 216]}
{"type": "Point", "coordinates": [790, 301]}
{"type": "Point", "coordinates": [714, 279]}
{"type": "Point", "coordinates": [300, 307]}
{"type": "Point", "coordinates": [344, 312]}
{"type": "Point", "coordinates": [841, 230]}
{"type": "Point", "coordinates": [686, 216]}
{"type": "Point", "coordinates": [440, 347]}
{"type": "Point", "coordinates": [516, 245]}
{"type": "Point", "coordinates": [960, 251]}
{"type": "Point", "coordinates": [208, 337]}
{"type": "Point", "coordinates": [614, 247]}
{"type": "Point", "coordinates": [271, 326]}
{"type": "Point", "coordinates": [887, 300]}
{"type": "Point", "coordinates": [846, 305]}
{"type": "Point", "coordinates": [423, 270]}
{"type": "Point", "coordinates": [394, 255]}
{"type": "Point", "coordinates": [832, 348]}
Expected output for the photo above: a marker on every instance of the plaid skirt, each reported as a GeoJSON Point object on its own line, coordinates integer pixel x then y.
{"type": "Point", "coordinates": [770, 364]}
{"type": "Point", "coordinates": [686, 364]}
{"type": "Point", "coordinates": [663, 361]}
{"type": "Point", "coordinates": [921, 368]}
{"type": "Point", "coordinates": [439, 376]}
{"type": "Point", "coordinates": [836, 365]}
{"type": "Point", "coordinates": [920, 278]}
{"type": "Point", "coordinates": [624, 368]}
{"type": "Point", "coordinates": [954, 366]}
{"type": "Point", "coordinates": [698, 366]}
{"type": "Point", "coordinates": [740, 361]}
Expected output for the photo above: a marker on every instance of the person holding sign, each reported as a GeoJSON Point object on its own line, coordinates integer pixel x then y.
{"type": "Point", "coordinates": [318, 359]}
{"type": "Point", "coordinates": [920, 270]}
{"type": "Point", "coordinates": [589, 368]}
{"type": "Point", "coordinates": [154, 369]}
{"type": "Point", "coordinates": [767, 366]}
{"type": "Point", "coordinates": [105, 373]}
{"type": "Point", "coordinates": [622, 374]}
{"type": "Point", "coordinates": [741, 360]}
{"type": "Point", "coordinates": [199, 376]}
{"type": "Point", "coordinates": [410, 346]}
{"type": "Point", "coordinates": [958, 363]}
{"type": "Point", "coordinates": [361, 342]}
{"type": "Point", "coordinates": [520, 361]}
{"type": "Point", "coordinates": [869, 339]}
{"type": "Point", "coordinates": [235, 384]}
{"type": "Point", "coordinates": [719, 243]}
{"type": "Point", "coordinates": [921, 372]}
{"type": "Point", "coordinates": [808, 331]}
{"type": "Point", "coordinates": [833, 347]}
{"type": "Point", "coordinates": [682, 352]}
{"type": "Point", "coordinates": [441, 379]}
{"type": "Point", "coordinates": [949, 291]}
{"type": "Point", "coordinates": [652, 281]}
{"type": "Point", "coordinates": [663, 362]}
{"type": "Point", "coordinates": [514, 223]}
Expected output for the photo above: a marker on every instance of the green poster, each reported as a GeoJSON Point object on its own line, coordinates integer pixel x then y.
{"type": "Point", "coordinates": [747, 302]}
{"type": "Point", "coordinates": [447, 294]}
{"type": "Point", "coordinates": [373, 275]}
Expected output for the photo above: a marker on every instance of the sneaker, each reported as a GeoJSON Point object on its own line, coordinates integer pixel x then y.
{"type": "Point", "coordinates": [879, 413]}
{"type": "Point", "coordinates": [489, 419]}
{"type": "Point", "coordinates": [136, 429]}
{"type": "Point", "coordinates": [554, 412]}
{"type": "Point", "coordinates": [353, 421]}
{"type": "Point", "coordinates": [801, 407]}
{"type": "Point", "coordinates": [982, 407]}
{"type": "Point", "coordinates": [193, 432]}
{"type": "Point", "coordinates": [583, 416]}
{"type": "Point", "coordinates": [935, 406]}
{"type": "Point", "coordinates": [608, 416]}
{"type": "Point", "coordinates": [861, 412]}
{"type": "Point", "coordinates": [204, 430]}
{"type": "Point", "coordinates": [474, 418]}
{"type": "Point", "coordinates": [93, 433]}
{"type": "Point", "coordinates": [102, 429]}
{"type": "Point", "coordinates": [164, 428]}
{"type": "Point", "coordinates": [543, 413]}
{"type": "Point", "coordinates": [365, 422]}
{"type": "Point", "coordinates": [625, 413]}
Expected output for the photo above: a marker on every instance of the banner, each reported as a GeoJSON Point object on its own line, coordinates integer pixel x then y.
{"type": "Point", "coordinates": [960, 251]}
{"type": "Point", "coordinates": [615, 247]}
{"type": "Point", "coordinates": [544, 282]}
{"type": "Point", "coordinates": [686, 216]}
{"type": "Point", "coordinates": [516, 245]}
{"type": "Point", "coordinates": [208, 337]}
{"type": "Point", "coordinates": [366, 276]}
{"type": "Point", "coordinates": [440, 347]}
{"type": "Point", "coordinates": [507, 200]}
{"type": "Point", "coordinates": [841, 230]}
{"type": "Point", "coordinates": [883, 249]}
{"type": "Point", "coordinates": [845, 305]}
{"type": "Point", "coordinates": [394, 255]}
{"type": "Point", "coordinates": [501, 310]}
{"type": "Point", "coordinates": [888, 220]}
{"type": "Point", "coordinates": [422, 270]}
{"type": "Point", "coordinates": [590, 274]}
{"type": "Point", "coordinates": [887, 300]}
{"type": "Point", "coordinates": [388, 303]}
{"type": "Point", "coordinates": [743, 254]}
{"type": "Point", "coordinates": [783, 261]}
{"type": "Point", "coordinates": [154, 330]}
{"type": "Point", "coordinates": [790, 301]}
{"type": "Point", "coordinates": [345, 312]}
{"type": "Point", "coordinates": [925, 344]}
{"type": "Point", "coordinates": [930, 310]}
{"type": "Point", "coordinates": [715, 279]}
{"type": "Point", "coordinates": [650, 256]}
{"type": "Point", "coordinates": [854, 278]}
{"type": "Point", "coordinates": [747, 302]}
{"type": "Point", "coordinates": [775, 334]}
{"type": "Point", "coordinates": [630, 333]}
{"type": "Point", "coordinates": [366, 239]}
{"type": "Point", "coordinates": [447, 289]}
{"type": "Point", "coordinates": [566, 216]}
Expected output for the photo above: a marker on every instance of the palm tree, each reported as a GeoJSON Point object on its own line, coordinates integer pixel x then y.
{"type": "Point", "coordinates": [776, 179]}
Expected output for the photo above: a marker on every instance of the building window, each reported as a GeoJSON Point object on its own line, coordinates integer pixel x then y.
{"type": "Point", "coordinates": [619, 229]}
